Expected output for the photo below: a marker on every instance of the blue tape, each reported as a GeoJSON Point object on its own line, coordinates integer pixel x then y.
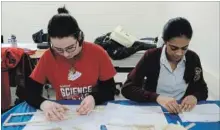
{"type": "Point", "coordinates": [103, 127]}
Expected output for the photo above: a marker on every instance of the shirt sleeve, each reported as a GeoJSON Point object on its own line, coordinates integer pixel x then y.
{"type": "Point", "coordinates": [106, 91]}
{"type": "Point", "coordinates": [200, 89]}
{"type": "Point", "coordinates": [106, 68]}
{"type": "Point", "coordinates": [132, 88]}
{"type": "Point", "coordinates": [39, 73]}
{"type": "Point", "coordinates": [34, 92]}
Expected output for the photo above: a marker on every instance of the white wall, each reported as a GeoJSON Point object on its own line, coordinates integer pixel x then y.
{"type": "Point", "coordinates": [204, 17]}
{"type": "Point", "coordinates": [94, 18]}
{"type": "Point", "coordinates": [139, 18]}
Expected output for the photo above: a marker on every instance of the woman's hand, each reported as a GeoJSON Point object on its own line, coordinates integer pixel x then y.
{"type": "Point", "coordinates": [170, 104]}
{"type": "Point", "coordinates": [188, 103]}
{"type": "Point", "coordinates": [86, 106]}
{"type": "Point", "coordinates": [53, 111]}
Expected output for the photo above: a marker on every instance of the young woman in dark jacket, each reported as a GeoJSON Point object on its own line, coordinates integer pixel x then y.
{"type": "Point", "coordinates": [170, 73]}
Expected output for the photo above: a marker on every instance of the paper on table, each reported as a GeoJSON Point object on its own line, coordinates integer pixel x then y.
{"type": "Point", "coordinates": [41, 126]}
{"type": "Point", "coordinates": [122, 109]}
{"type": "Point", "coordinates": [143, 127]}
{"type": "Point", "coordinates": [92, 125]}
{"type": "Point", "coordinates": [116, 114]}
{"type": "Point", "coordinates": [85, 122]}
{"type": "Point", "coordinates": [113, 114]}
{"type": "Point", "coordinates": [47, 124]}
{"type": "Point", "coordinates": [202, 113]}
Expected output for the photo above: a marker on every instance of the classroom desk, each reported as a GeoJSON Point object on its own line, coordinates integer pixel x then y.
{"type": "Point", "coordinates": [124, 65]}
{"type": "Point", "coordinates": [30, 46]}
{"type": "Point", "coordinates": [24, 107]}
{"type": "Point", "coordinates": [38, 53]}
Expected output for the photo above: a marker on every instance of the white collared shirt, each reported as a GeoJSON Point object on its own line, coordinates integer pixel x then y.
{"type": "Point", "coordinates": [171, 83]}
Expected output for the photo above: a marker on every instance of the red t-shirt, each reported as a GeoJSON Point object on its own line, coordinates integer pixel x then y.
{"type": "Point", "coordinates": [93, 64]}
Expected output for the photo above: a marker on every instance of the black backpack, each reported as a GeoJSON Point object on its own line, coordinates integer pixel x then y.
{"type": "Point", "coordinates": [117, 51]}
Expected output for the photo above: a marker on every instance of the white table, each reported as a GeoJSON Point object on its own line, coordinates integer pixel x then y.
{"type": "Point", "coordinates": [31, 46]}
{"type": "Point", "coordinates": [128, 62]}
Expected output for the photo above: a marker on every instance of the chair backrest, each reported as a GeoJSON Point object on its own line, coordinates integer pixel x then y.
{"type": "Point", "coordinates": [21, 74]}
{"type": "Point", "coordinates": [2, 39]}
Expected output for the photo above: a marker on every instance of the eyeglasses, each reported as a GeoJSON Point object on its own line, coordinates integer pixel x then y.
{"type": "Point", "coordinates": [68, 49]}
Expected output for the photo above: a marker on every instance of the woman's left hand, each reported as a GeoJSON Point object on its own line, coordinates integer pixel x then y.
{"type": "Point", "coordinates": [86, 106]}
{"type": "Point", "coordinates": [188, 103]}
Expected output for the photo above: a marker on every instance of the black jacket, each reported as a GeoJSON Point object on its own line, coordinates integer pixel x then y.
{"type": "Point", "coordinates": [117, 51]}
{"type": "Point", "coordinates": [135, 88]}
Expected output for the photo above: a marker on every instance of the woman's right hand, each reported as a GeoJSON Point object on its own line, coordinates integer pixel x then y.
{"type": "Point", "coordinates": [53, 111]}
{"type": "Point", "coordinates": [170, 104]}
